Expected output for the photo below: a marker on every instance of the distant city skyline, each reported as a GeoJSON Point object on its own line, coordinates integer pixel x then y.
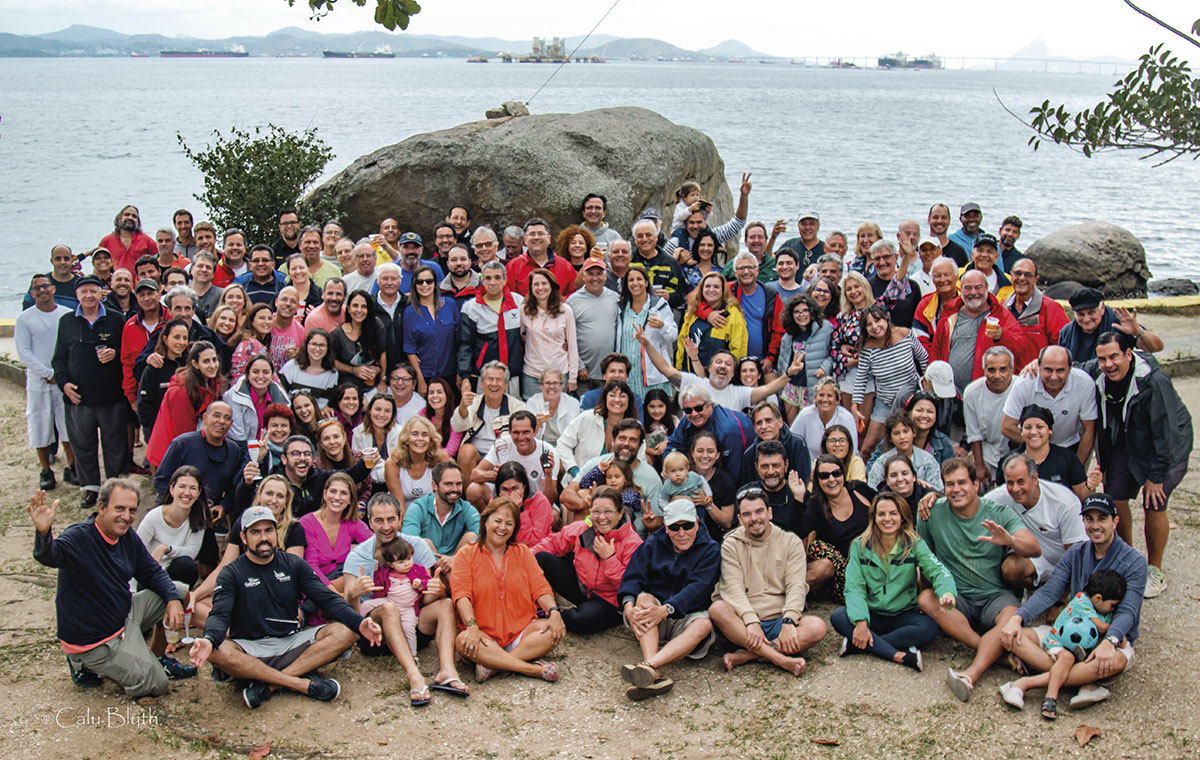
{"type": "Point", "coordinates": [1069, 28]}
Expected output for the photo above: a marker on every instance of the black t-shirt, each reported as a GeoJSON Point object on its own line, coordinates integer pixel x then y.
{"type": "Point", "coordinates": [1061, 466]}
{"type": "Point", "coordinates": [902, 311]}
{"type": "Point", "coordinates": [357, 353]}
{"type": "Point", "coordinates": [785, 510]}
{"type": "Point", "coordinates": [840, 534]}
{"type": "Point", "coordinates": [955, 251]}
{"type": "Point", "coordinates": [724, 494]}
{"type": "Point", "coordinates": [282, 250]}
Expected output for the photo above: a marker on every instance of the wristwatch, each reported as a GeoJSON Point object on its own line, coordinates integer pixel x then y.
{"type": "Point", "coordinates": [788, 621]}
{"type": "Point", "coordinates": [670, 610]}
{"type": "Point", "coordinates": [1115, 641]}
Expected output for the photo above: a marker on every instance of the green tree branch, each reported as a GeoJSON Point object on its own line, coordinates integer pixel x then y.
{"type": "Point", "coordinates": [388, 13]}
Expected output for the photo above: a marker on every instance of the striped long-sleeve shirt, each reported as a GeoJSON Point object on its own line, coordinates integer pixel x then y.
{"type": "Point", "coordinates": [894, 368]}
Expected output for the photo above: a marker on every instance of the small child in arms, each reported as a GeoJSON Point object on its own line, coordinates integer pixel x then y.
{"type": "Point", "coordinates": [679, 481]}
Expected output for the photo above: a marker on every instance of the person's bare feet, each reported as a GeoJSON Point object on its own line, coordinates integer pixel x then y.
{"type": "Point", "coordinates": [740, 657]}
{"type": "Point", "coordinates": [795, 665]}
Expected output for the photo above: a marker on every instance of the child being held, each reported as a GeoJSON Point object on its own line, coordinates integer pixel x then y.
{"type": "Point", "coordinates": [400, 582]}
{"type": "Point", "coordinates": [617, 474]}
{"type": "Point", "coordinates": [1077, 630]}
{"type": "Point", "coordinates": [688, 196]}
{"type": "Point", "coordinates": [679, 482]}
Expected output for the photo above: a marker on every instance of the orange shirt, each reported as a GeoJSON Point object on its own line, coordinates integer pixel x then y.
{"type": "Point", "coordinates": [505, 598]}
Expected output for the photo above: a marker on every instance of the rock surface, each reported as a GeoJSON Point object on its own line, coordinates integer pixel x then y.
{"type": "Point", "coordinates": [510, 169]}
{"type": "Point", "coordinates": [1174, 286]}
{"type": "Point", "coordinates": [1098, 254]}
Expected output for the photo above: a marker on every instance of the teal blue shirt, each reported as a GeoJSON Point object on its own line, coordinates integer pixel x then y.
{"type": "Point", "coordinates": [420, 519]}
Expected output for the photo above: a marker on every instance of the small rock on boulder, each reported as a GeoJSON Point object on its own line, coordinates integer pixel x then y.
{"type": "Point", "coordinates": [508, 170]}
{"type": "Point", "coordinates": [1098, 254]}
{"type": "Point", "coordinates": [1174, 286]}
{"type": "Point", "coordinates": [507, 108]}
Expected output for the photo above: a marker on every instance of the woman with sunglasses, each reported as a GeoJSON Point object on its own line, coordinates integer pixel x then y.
{"type": "Point", "coordinates": [837, 512]}
{"type": "Point", "coordinates": [838, 440]}
{"type": "Point", "coordinates": [430, 328]}
{"type": "Point", "coordinates": [881, 614]}
{"type": "Point", "coordinates": [900, 437]}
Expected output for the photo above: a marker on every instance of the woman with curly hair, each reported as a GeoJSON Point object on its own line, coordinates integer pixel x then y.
{"type": "Point", "coordinates": [731, 335]}
{"type": "Point", "coordinates": [805, 331]}
{"type": "Point", "coordinates": [575, 244]}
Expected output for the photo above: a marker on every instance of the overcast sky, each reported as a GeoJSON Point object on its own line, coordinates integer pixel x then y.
{"type": "Point", "coordinates": [1070, 28]}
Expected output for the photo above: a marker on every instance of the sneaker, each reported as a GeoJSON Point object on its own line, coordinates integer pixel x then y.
{"type": "Point", "coordinates": [1088, 695]}
{"type": "Point", "coordinates": [134, 468]}
{"type": "Point", "coordinates": [918, 661]}
{"type": "Point", "coordinates": [176, 670]}
{"type": "Point", "coordinates": [47, 482]}
{"type": "Point", "coordinates": [959, 684]}
{"type": "Point", "coordinates": [1156, 582]}
{"type": "Point", "coordinates": [844, 647]}
{"type": "Point", "coordinates": [69, 475]}
{"type": "Point", "coordinates": [1012, 695]}
{"type": "Point", "coordinates": [89, 499]}
{"type": "Point", "coordinates": [323, 689]}
{"type": "Point", "coordinates": [84, 678]}
{"type": "Point", "coordinates": [257, 693]}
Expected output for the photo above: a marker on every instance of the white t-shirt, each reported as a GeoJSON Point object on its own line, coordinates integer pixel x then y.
{"type": "Point", "coordinates": [983, 414]}
{"type": "Point", "coordinates": [1075, 402]}
{"type": "Point", "coordinates": [1054, 520]}
{"type": "Point", "coordinates": [409, 410]}
{"type": "Point", "coordinates": [355, 281]}
{"type": "Point", "coordinates": [506, 451]}
{"type": "Point", "coordinates": [35, 335]}
{"type": "Point", "coordinates": [155, 532]}
{"type": "Point", "coordinates": [735, 397]}
{"type": "Point", "coordinates": [808, 426]}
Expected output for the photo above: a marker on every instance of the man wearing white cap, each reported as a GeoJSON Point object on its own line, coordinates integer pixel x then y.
{"type": "Point", "coordinates": [664, 597]}
{"type": "Point", "coordinates": [921, 271]}
{"type": "Point", "coordinates": [760, 598]}
{"type": "Point", "coordinates": [255, 603]}
{"type": "Point", "coordinates": [807, 245]}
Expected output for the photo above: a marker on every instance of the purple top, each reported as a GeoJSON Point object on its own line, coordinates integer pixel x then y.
{"type": "Point", "coordinates": [322, 557]}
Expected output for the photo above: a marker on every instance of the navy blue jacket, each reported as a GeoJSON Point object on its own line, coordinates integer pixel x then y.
{"type": "Point", "coordinates": [798, 457]}
{"type": "Point", "coordinates": [684, 581]}
{"type": "Point", "coordinates": [733, 430]}
{"type": "Point", "coordinates": [220, 466]}
{"type": "Point", "coordinates": [93, 596]}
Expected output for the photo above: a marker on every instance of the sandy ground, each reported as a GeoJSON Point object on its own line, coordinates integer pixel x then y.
{"type": "Point", "coordinates": [872, 708]}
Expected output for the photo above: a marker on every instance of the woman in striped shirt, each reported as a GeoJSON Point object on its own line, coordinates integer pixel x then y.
{"type": "Point", "coordinates": [893, 359]}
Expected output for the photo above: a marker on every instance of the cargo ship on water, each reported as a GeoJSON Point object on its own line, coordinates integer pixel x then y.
{"type": "Point", "coordinates": [203, 54]}
{"type": "Point", "coordinates": [380, 52]}
{"type": "Point", "coordinates": [902, 61]}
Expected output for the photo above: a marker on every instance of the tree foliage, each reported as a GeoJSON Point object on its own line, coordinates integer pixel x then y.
{"type": "Point", "coordinates": [389, 13]}
{"type": "Point", "coordinates": [250, 176]}
{"type": "Point", "coordinates": [1155, 109]}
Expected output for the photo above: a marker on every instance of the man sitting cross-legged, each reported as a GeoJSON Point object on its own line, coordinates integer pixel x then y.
{"type": "Point", "coordinates": [760, 597]}
{"type": "Point", "coordinates": [257, 600]}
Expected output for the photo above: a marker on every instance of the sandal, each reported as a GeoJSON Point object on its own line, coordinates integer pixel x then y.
{"type": "Point", "coordinates": [641, 676]}
{"type": "Point", "coordinates": [483, 673]}
{"type": "Point", "coordinates": [549, 670]}
{"type": "Point", "coordinates": [418, 697]}
{"type": "Point", "coordinates": [1017, 664]}
{"type": "Point", "coordinates": [960, 685]}
{"type": "Point", "coordinates": [451, 686]}
{"type": "Point", "coordinates": [656, 689]}
{"type": "Point", "coordinates": [1050, 708]}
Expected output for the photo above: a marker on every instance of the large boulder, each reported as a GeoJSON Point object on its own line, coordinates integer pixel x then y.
{"type": "Point", "coordinates": [510, 169]}
{"type": "Point", "coordinates": [1098, 254]}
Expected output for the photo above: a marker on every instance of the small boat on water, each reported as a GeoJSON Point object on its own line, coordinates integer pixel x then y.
{"type": "Point", "coordinates": [383, 51]}
{"type": "Point", "coordinates": [479, 59]}
{"type": "Point", "coordinates": [203, 54]}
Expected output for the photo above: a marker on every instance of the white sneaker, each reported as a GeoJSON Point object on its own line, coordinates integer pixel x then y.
{"type": "Point", "coordinates": [1088, 695]}
{"type": "Point", "coordinates": [1156, 582]}
{"type": "Point", "coordinates": [1012, 695]}
{"type": "Point", "coordinates": [845, 645]}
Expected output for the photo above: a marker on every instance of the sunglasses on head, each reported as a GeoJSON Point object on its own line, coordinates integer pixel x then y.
{"type": "Point", "coordinates": [827, 474]}
{"type": "Point", "coordinates": [675, 527]}
{"type": "Point", "coordinates": [693, 409]}
{"type": "Point", "coordinates": [750, 490]}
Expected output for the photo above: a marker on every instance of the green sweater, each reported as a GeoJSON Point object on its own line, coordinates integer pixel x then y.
{"type": "Point", "coordinates": [892, 588]}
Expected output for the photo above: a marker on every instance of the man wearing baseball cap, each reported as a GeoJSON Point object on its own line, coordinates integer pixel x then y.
{"type": "Point", "coordinates": [1104, 550]}
{"type": "Point", "coordinates": [255, 604]}
{"type": "Point", "coordinates": [807, 245]}
{"type": "Point", "coordinates": [984, 256]}
{"type": "Point", "coordinates": [411, 247]}
{"type": "Point", "coordinates": [664, 597]}
{"type": "Point", "coordinates": [596, 311]}
{"type": "Point", "coordinates": [1092, 319]}
{"type": "Point", "coordinates": [971, 217]}
{"type": "Point", "coordinates": [88, 371]}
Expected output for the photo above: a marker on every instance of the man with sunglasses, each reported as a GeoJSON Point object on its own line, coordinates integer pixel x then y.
{"type": "Point", "coordinates": [664, 597]}
{"type": "Point", "coordinates": [1041, 318]}
{"type": "Point", "coordinates": [733, 430]}
{"type": "Point", "coordinates": [760, 597]}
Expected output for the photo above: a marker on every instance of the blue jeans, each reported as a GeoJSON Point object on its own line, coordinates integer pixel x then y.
{"type": "Point", "coordinates": [889, 633]}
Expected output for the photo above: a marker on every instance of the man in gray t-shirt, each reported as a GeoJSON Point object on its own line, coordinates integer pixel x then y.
{"type": "Point", "coordinates": [595, 309]}
{"type": "Point", "coordinates": [962, 348]}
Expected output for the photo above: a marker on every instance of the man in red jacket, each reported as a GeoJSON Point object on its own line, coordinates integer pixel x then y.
{"type": "Point", "coordinates": [1040, 317]}
{"type": "Point", "coordinates": [127, 241]}
{"type": "Point", "coordinates": [973, 323]}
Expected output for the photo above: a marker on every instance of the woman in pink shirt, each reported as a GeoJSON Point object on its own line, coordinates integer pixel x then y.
{"type": "Point", "coordinates": [548, 327]}
{"type": "Point", "coordinates": [333, 530]}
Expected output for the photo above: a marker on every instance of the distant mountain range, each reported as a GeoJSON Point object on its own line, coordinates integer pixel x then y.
{"type": "Point", "coordinates": [84, 41]}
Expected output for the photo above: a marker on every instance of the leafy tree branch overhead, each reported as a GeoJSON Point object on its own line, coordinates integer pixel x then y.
{"type": "Point", "coordinates": [388, 13]}
{"type": "Point", "coordinates": [1154, 109]}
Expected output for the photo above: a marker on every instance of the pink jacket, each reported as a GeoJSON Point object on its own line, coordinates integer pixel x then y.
{"type": "Point", "coordinates": [599, 577]}
{"type": "Point", "coordinates": [383, 577]}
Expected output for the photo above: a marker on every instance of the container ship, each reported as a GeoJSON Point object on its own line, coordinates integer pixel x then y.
{"type": "Point", "coordinates": [380, 52]}
{"type": "Point", "coordinates": [203, 54]}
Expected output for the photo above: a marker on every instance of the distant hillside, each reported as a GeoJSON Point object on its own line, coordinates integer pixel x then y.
{"type": "Point", "coordinates": [734, 49]}
{"type": "Point", "coordinates": [82, 40]}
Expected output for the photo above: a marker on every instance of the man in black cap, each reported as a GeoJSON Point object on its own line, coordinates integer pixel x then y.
{"type": "Point", "coordinates": [984, 256]}
{"type": "Point", "coordinates": [1093, 318]}
{"type": "Point", "coordinates": [971, 217]}
{"type": "Point", "coordinates": [88, 371]}
{"type": "Point", "coordinates": [1144, 440]}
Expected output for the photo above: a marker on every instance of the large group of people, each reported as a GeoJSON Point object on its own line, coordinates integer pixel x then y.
{"type": "Point", "coordinates": [370, 441]}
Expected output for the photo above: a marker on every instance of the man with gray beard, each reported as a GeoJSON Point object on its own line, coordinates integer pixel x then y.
{"type": "Point", "coordinates": [973, 323]}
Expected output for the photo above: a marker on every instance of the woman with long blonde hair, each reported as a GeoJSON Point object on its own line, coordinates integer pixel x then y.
{"type": "Point", "coordinates": [408, 471]}
{"type": "Point", "coordinates": [728, 334]}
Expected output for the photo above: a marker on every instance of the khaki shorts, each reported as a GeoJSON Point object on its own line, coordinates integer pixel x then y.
{"type": "Point", "coordinates": [669, 628]}
{"type": "Point", "coordinates": [126, 659]}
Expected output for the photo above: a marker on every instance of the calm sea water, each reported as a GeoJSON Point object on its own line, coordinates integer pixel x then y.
{"type": "Point", "coordinates": [80, 138]}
